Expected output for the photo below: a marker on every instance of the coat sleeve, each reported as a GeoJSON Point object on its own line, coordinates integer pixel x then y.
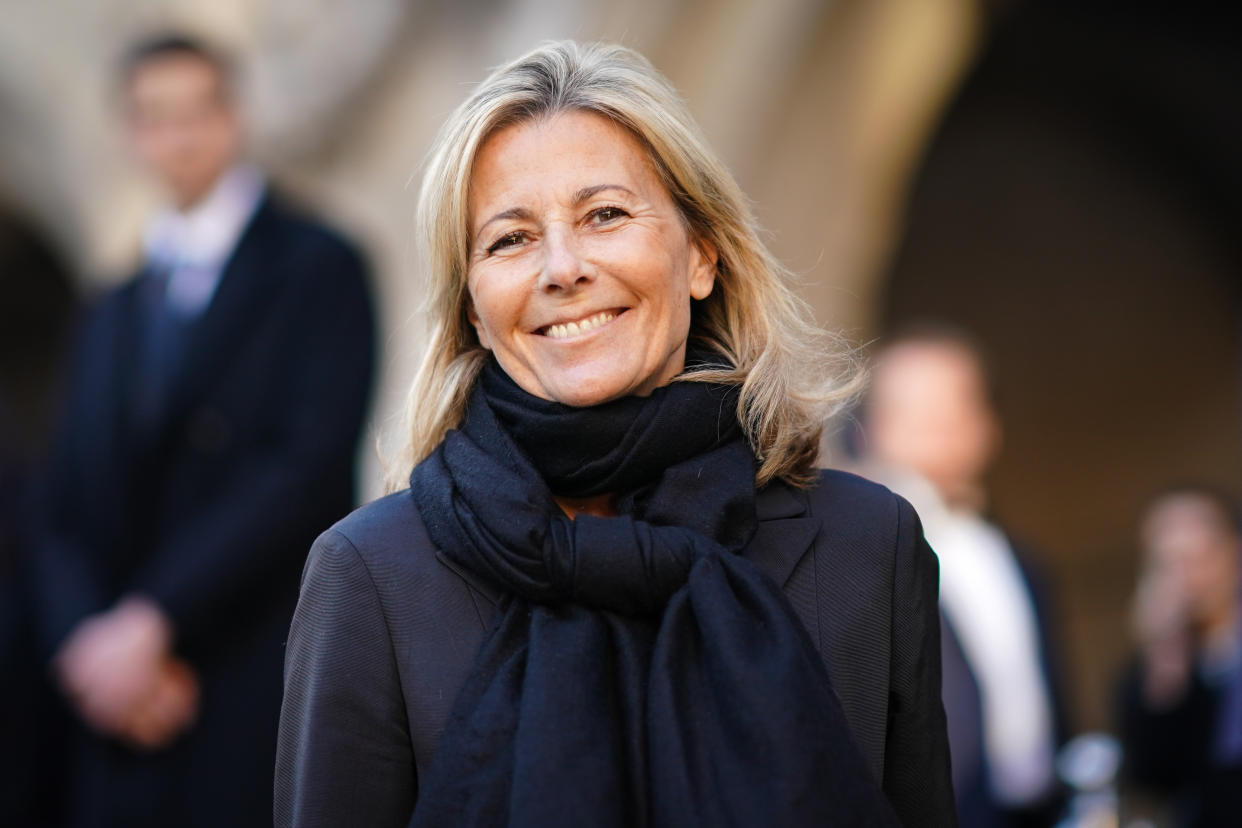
{"type": "Point", "coordinates": [66, 576]}
{"type": "Point", "coordinates": [917, 777]}
{"type": "Point", "coordinates": [344, 755]}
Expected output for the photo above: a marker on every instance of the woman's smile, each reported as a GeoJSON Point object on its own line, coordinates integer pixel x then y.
{"type": "Point", "coordinates": [576, 328]}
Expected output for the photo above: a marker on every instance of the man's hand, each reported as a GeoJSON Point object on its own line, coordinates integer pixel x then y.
{"type": "Point", "coordinates": [167, 712]}
{"type": "Point", "coordinates": [1162, 630]}
{"type": "Point", "coordinates": [117, 670]}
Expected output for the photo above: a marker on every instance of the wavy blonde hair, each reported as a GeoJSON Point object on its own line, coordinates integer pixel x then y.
{"type": "Point", "coordinates": [793, 375]}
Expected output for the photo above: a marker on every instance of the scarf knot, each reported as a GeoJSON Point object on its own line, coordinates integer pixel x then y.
{"type": "Point", "coordinates": [620, 564]}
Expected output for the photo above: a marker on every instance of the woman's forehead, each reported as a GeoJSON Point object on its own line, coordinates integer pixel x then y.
{"type": "Point", "coordinates": [562, 154]}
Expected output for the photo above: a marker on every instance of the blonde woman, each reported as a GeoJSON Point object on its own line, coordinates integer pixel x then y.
{"type": "Point", "coordinates": [616, 591]}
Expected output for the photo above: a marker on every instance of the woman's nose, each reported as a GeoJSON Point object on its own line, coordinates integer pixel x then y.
{"type": "Point", "coordinates": [564, 269]}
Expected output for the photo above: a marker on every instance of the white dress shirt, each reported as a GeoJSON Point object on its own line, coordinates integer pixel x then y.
{"type": "Point", "coordinates": [195, 245]}
{"type": "Point", "coordinates": [984, 595]}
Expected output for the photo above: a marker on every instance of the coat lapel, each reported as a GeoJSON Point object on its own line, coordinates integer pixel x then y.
{"type": "Point", "coordinates": [478, 587]}
{"type": "Point", "coordinates": [785, 532]}
{"type": "Point", "coordinates": [245, 293]}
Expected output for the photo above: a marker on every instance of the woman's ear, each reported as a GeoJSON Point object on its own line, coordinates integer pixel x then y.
{"type": "Point", "coordinates": [703, 261]}
{"type": "Point", "coordinates": [479, 330]}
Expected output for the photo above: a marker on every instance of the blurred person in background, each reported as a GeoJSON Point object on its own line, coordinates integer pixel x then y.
{"type": "Point", "coordinates": [213, 407]}
{"type": "Point", "coordinates": [1181, 701]}
{"type": "Point", "coordinates": [36, 305]}
{"type": "Point", "coordinates": [930, 432]}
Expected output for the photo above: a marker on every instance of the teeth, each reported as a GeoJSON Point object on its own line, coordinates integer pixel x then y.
{"type": "Point", "coordinates": [579, 327]}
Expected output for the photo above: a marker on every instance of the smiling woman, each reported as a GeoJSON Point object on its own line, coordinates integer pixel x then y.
{"type": "Point", "coordinates": [616, 592]}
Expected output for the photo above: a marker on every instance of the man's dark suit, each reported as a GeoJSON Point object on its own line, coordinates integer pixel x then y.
{"type": "Point", "coordinates": [977, 805]}
{"type": "Point", "coordinates": [387, 628]}
{"type": "Point", "coordinates": [206, 499]}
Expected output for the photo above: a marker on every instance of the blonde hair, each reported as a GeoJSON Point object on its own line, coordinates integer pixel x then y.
{"type": "Point", "coordinates": [793, 375]}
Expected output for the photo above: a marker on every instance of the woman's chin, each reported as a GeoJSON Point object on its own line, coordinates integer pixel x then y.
{"type": "Point", "coordinates": [581, 389]}
{"type": "Point", "coordinates": [597, 382]}
{"type": "Point", "coordinates": [584, 395]}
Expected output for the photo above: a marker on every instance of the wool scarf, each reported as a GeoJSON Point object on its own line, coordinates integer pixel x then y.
{"type": "Point", "coordinates": [641, 671]}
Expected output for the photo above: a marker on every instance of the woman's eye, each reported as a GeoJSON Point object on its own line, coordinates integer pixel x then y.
{"type": "Point", "coordinates": [606, 214]}
{"type": "Point", "coordinates": [507, 240]}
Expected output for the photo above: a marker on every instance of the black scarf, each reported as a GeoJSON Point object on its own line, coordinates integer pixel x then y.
{"type": "Point", "coordinates": [641, 673]}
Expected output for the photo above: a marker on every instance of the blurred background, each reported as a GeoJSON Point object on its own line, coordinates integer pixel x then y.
{"type": "Point", "coordinates": [1061, 179]}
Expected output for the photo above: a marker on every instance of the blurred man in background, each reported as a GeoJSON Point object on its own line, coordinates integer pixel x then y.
{"type": "Point", "coordinates": [930, 433]}
{"type": "Point", "coordinates": [213, 409]}
{"type": "Point", "coordinates": [1181, 702]}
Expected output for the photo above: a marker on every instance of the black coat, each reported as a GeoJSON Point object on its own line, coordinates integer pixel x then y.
{"type": "Point", "coordinates": [208, 502]}
{"type": "Point", "coordinates": [386, 631]}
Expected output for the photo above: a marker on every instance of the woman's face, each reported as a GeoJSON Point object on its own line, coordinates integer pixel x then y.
{"type": "Point", "coordinates": [581, 269]}
{"type": "Point", "coordinates": [1191, 549]}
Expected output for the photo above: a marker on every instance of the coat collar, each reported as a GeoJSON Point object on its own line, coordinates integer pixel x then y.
{"type": "Point", "coordinates": [784, 534]}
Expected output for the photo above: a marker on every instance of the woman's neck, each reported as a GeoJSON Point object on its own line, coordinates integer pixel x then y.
{"type": "Point", "coordinates": [604, 505]}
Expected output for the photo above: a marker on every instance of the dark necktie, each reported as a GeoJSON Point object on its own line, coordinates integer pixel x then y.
{"type": "Point", "coordinates": [161, 334]}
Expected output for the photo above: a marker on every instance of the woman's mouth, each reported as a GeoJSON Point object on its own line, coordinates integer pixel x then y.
{"type": "Point", "coordinates": [565, 330]}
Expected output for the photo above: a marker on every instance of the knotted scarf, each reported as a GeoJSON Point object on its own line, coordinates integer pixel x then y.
{"type": "Point", "coordinates": [641, 672]}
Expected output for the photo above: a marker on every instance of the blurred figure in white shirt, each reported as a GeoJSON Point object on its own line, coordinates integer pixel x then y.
{"type": "Point", "coordinates": [931, 433]}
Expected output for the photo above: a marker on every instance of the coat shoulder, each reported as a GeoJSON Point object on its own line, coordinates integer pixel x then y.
{"type": "Point", "coordinates": [386, 531]}
{"type": "Point", "coordinates": [311, 235]}
{"type": "Point", "coordinates": [391, 541]}
{"type": "Point", "coordinates": [842, 500]}
{"type": "Point", "coordinates": [848, 483]}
